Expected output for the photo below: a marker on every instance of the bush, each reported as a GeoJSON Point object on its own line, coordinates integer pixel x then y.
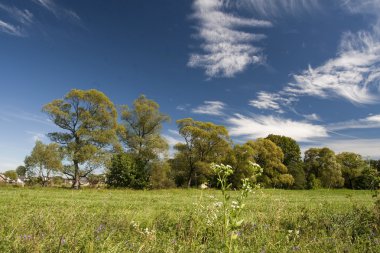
{"type": "Point", "coordinates": [160, 176]}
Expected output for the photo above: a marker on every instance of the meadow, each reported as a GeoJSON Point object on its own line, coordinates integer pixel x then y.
{"type": "Point", "coordinates": [185, 220]}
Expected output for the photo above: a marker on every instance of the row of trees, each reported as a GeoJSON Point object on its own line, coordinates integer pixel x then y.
{"type": "Point", "coordinates": [134, 154]}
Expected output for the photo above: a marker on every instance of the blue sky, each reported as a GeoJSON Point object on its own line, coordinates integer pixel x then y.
{"type": "Point", "coordinates": [306, 69]}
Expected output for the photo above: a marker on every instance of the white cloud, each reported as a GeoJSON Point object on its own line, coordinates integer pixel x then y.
{"type": "Point", "coordinates": [11, 29]}
{"type": "Point", "coordinates": [312, 117]}
{"type": "Point", "coordinates": [226, 50]}
{"type": "Point", "coordinates": [271, 101]}
{"type": "Point", "coordinates": [353, 75]}
{"type": "Point", "coordinates": [364, 147]}
{"type": "Point", "coordinates": [261, 126]}
{"type": "Point", "coordinates": [58, 11]}
{"type": "Point", "coordinates": [368, 122]}
{"type": "Point", "coordinates": [210, 108]}
{"type": "Point", "coordinates": [22, 16]}
{"type": "Point", "coordinates": [276, 8]}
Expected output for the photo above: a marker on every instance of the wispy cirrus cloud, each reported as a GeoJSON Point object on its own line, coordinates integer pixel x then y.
{"type": "Point", "coordinates": [372, 121]}
{"type": "Point", "coordinates": [58, 11]}
{"type": "Point", "coordinates": [210, 108]}
{"type": "Point", "coordinates": [261, 126]}
{"type": "Point", "coordinates": [11, 29]}
{"type": "Point", "coordinates": [24, 16]}
{"type": "Point", "coordinates": [353, 75]}
{"type": "Point", "coordinates": [227, 50]}
{"type": "Point", "coordinates": [271, 101]}
{"type": "Point", "coordinates": [276, 8]}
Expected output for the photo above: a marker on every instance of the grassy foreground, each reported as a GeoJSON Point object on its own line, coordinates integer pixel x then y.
{"type": "Point", "coordinates": [180, 220]}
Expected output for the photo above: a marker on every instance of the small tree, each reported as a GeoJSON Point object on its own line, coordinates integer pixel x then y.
{"type": "Point", "coordinates": [122, 172]}
{"type": "Point", "coordinates": [44, 161]}
{"type": "Point", "coordinates": [141, 133]}
{"type": "Point", "coordinates": [89, 123]}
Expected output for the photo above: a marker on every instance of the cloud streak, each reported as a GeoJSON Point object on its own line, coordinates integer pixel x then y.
{"type": "Point", "coordinates": [353, 75]}
{"type": "Point", "coordinates": [262, 126]}
{"type": "Point", "coordinates": [210, 108]}
{"type": "Point", "coordinates": [11, 29]}
{"type": "Point", "coordinates": [277, 8]}
{"type": "Point", "coordinates": [271, 101]}
{"type": "Point", "coordinates": [58, 11]}
{"type": "Point", "coordinates": [22, 16]}
{"type": "Point", "coordinates": [226, 49]}
{"type": "Point", "coordinates": [365, 123]}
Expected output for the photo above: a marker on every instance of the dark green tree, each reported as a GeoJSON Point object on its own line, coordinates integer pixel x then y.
{"type": "Point", "coordinates": [122, 172]}
{"type": "Point", "coordinates": [292, 158]}
{"type": "Point", "coordinates": [21, 171]}
{"type": "Point", "coordinates": [321, 164]}
{"type": "Point", "coordinates": [270, 157]}
{"type": "Point", "coordinates": [352, 166]}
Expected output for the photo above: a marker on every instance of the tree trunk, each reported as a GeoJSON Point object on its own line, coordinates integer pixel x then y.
{"type": "Point", "coordinates": [190, 177]}
{"type": "Point", "coordinates": [76, 179]}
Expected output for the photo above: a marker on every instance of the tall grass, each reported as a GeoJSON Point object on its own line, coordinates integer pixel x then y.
{"type": "Point", "coordinates": [179, 220]}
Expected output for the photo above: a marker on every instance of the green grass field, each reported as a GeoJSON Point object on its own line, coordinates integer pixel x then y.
{"type": "Point", "coordinates": [180, 220]}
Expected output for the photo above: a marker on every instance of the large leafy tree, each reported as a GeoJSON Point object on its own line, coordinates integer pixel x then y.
{"type": "Point", "coordinates": [321, 165]}
{"type": "Point", "coordinates": [43, 161]}
{"type": "Point", "coordinates": [292, 158]}
{"type": "Point", "coordinates": [141, 133]}
{"type": "Point", "coordinates": [270, 157]}
{"type": "Point", "coordinates": [204, 143]}
{"type": "Point", "coordinates": [352, 166]}
{"type": "Point", "coordinates": [88, 120]}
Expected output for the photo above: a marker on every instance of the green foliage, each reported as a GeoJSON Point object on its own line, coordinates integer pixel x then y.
{"type": "Point", "coordinates": [44, 161]}
{"type": "Point", "coordinates": [141, 132]}
{"type": "Point", "coordinates": [321, 164]}
{"type": "Point", "coordinates": [21, 171]}
{"type": "Point", "coordinates": [123, 172]}
{"type": "Point", "coordinates": [232, 209]}
{"type": "Point", "coordinates": [368, 179]}
{"type": "Point", "coordinates": [96, 179]}
{"type": "Point", "coordinates": [269, 156]}
{"type": "Point", "coordinates": [241, 158]}
{"type": "Point", "coordinates": [352, 166]}
{"type": "Point", "coordinates": [205, 143]}
{"type": "Point", "coordinates": [89, 123]}
{"type": "Point", "coordinates": [161, 176]}
{"type": "Point", "coordinates": [292, 158]}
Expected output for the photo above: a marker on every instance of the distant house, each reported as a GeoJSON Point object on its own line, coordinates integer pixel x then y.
{"type": "Point", "coordinates": [3, 179]}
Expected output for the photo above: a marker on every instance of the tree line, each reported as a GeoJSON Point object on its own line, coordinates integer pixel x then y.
{"type": "Point", "coordinates": [132, 152]}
